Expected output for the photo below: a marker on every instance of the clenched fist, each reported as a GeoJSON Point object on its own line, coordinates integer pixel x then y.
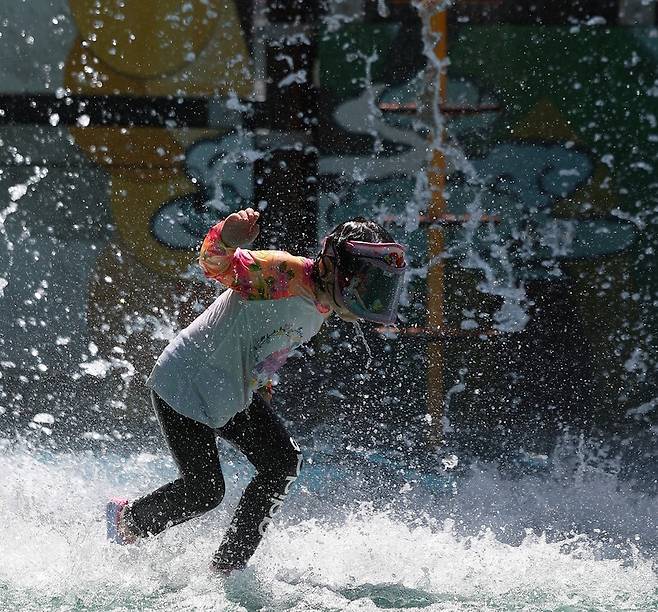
{"type": "Point", "coordinates": [241, 228]}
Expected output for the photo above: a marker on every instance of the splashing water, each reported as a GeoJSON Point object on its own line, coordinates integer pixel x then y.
{"type": "Point", "coordinates": [382, 9]}
{"type": "Point", "coordinates": [4, 280]}
{"type": "Point", "coordinates": [330, 549]}
{"type": "Point", "coordinates": [16, 192]}
{"type": "Point", "coordinates": [361, 336]}
{"type": "Point", "coordinates": [499, 277]}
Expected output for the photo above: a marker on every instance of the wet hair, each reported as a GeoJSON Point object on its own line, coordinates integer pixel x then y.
{"type": "Point", "coordinates": [361, 229]}
{"type": "Point", "coordinates": [358, 228]}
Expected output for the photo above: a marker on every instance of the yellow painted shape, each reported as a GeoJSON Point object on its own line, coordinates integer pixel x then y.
{"type": "Point", "coordinates": [133, 204]}
{"type": "Point", "coordinates": [600, 192]}
{"type": "Point", "coordinates": [222, 67]}
{"type": "Point", "coordinates": [146, 38]}
{"type": "Point", "coordinates": [544, 122]}
{"type": "Point", "coordinates": [85, 73]}
{"type": "Point", "coordinates": [149, 152]}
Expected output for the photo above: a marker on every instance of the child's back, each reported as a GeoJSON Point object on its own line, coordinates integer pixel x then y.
{"type": "Point", "coordinates": [211, 369]}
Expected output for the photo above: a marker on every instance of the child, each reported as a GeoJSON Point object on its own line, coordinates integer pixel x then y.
{"type": "Point", "coordinates": [213, 379]}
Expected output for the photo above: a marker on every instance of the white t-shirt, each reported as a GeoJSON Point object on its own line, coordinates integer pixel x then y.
{"type": "Point", "coordinates": [211, 369]}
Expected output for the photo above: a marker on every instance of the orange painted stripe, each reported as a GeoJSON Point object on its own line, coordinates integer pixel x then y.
{"type": "Point", "coordinates": [436, 273]}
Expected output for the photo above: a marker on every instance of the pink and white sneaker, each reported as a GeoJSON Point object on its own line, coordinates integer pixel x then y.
{"type": "Point", "coordinates": [116, 532]}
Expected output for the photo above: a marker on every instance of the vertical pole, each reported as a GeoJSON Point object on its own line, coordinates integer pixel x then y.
{"type": "Point", "coordinates": [286, 179]}
{"type": "Point", "coordinates": [258, 49]}
{"type": "Point", "coordinates": [438, 26]}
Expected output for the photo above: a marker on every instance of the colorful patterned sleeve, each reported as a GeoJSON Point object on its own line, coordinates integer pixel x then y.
{"type": "Point", "coordinates": [215, 256]}
{"type": "Point", "coordinates": [256, 275]}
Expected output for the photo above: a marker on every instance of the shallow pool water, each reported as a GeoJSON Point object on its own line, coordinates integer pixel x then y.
{"type": "Point", "coordinates": [333, 547]}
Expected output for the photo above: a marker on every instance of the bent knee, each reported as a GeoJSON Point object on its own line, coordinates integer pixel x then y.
{"type": "Point", "coordinates": [214, 498]}
{"type": "Point", "coordinates": [286, 464]}
{"type": "Point", "coordinates": [209, 493]}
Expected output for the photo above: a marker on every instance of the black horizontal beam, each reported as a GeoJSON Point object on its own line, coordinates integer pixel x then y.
{"type": "Point", "coordinates": [123, 111]}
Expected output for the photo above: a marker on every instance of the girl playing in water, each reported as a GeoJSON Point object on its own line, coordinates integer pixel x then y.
{"type": "Point", "coordinates": [214, 377]}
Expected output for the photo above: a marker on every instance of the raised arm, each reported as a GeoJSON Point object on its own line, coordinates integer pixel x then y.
{"type": "Point", "coordinates": [255, 275]}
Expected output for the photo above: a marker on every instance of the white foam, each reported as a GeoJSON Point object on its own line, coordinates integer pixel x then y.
{"type": "Point", "coordinates": [55, 555]}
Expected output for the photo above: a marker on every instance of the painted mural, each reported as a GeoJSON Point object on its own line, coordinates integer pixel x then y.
{"type": "Point", "coordinates": [560, 161]}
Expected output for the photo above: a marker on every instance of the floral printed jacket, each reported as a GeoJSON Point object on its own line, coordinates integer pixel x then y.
{"type": "Point", "coordinates": [211, 369]}
{"type": "Point", "coordinates": [256, 275]}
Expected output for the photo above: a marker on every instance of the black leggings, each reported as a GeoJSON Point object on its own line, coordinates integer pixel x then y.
{"type": "Point", "coordinates": [261, 436]}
